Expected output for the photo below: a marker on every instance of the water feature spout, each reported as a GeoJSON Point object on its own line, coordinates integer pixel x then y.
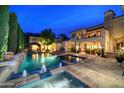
{"type": "Point", "coordinates": [43, 69]}
{"type": "Point", "coordinates": [24, 74]}
{"type": "Point", "coordinates": [60, 64]}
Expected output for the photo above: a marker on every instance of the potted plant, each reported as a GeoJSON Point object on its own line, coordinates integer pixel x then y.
{"type": "Point", "coordinates": [98, 53]}
{"type": "Point", "coordinates": [102, 52]}
{"type": "Point", "coordinates": [73, 50]}
{"type": "Point", "coordinates": [120, 59]}
{"type": "Point", "coordinates": [87, 51]}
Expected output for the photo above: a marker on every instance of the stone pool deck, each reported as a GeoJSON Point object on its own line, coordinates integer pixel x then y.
{"type": "Point", "coordinates": [98, 72]}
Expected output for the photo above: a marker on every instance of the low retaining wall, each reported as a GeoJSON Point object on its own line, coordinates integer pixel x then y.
{"type": "Point", "coordinates": [111, 54]}
{"type": "Point", "coordinates": [18, 61]}
{"type": "Point", "coordinates": [5, 74]}
{"type": "Point", "coordinates": [24, 80]}
{"type": "Point", "coordinates": [12, 66]}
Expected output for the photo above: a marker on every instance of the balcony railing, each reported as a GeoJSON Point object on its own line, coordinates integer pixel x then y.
{"type": "Point", "coordinates": [86, 37]}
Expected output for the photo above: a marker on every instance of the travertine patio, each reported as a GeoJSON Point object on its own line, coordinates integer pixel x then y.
{"type": "Point", "coordinates": [98, 72]}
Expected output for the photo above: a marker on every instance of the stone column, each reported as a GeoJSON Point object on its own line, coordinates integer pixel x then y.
{"type": "Point", "coordinates": [122, 7]}
{"type": "Point", "coordinates": [108, 25]}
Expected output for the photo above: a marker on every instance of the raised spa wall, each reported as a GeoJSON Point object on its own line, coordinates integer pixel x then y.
{"type": "Point", "coordinates": [13, 67]}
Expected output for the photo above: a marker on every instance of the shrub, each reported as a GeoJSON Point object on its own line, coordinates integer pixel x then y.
{"type": "Point", "coordinates": [98, 52]}
{"type": "Point", "coordinates": [73, 50]}
{"type": "Point", "coordinates": [87, 51]}
{"type": "Point", "coordinates": [103, 53]}
{"type": "Point", "coordinates": [47, 50]}
{"type": "Point", "coordinates": [120, 57]}
{"type": "Point", "coordinates": [63, 49]}
{"type": "Point", "coordinates": [94, 51]}
{"type": "Point", "coordinates": [1, 57]}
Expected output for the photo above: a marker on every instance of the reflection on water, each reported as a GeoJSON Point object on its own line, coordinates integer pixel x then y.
{"type": "Point", "coordinates": [43, 59]}
{"type": "Point", "coordinates": [35, 57]}
{"type": "Point", "coordinates": [35, 61]}
{"type": "Point", "coordinates": [71, 58]}
{"type": "Point", "coordinates": [77, 59]}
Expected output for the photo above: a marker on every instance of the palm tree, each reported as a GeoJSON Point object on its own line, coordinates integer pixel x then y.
{"type": "Point", "coordinates": [47, 37]}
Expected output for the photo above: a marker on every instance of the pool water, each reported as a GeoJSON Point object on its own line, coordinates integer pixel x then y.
{"type": "Point", "coordinates": [42, 63]}
{"type": "Point", "coordinates": [35, 61]}
{"type": "Point", "coordinates": [62, 80]}
{"type": "Point", "coordinates": [71, 58]}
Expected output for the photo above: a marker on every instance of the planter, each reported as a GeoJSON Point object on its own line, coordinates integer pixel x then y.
{"type": "Point", "coordinates": [98, 54]}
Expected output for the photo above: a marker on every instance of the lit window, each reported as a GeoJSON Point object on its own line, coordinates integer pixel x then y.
{"type": "Point", "coordinates": [34, 47]}
{"type": "Point", "coordinates": [98, 33]}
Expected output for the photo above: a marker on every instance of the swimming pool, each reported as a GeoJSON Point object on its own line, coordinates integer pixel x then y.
{"type": "Point", "coordinates": [37, 61]}
{"type": "Point", "coordinates": [62, 80]}
{"type": "Point", "coordinates": [45, 60]}
{"type": "Point", "coordinates": [42, 64]}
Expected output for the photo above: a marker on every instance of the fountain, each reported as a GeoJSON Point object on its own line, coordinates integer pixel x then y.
{"type": "Point", "coordinates": [24, 74]}
{"type": "Point", "coordinates": [50, 85]}
{"type": "Point", "coordinates": [62, 83]}
{"type": "Point", "coordinates": [47, 85]}
{"type": "Point", "coordinates": [60, 64]}
{"type": "Point", "coordinates": [43, 69]}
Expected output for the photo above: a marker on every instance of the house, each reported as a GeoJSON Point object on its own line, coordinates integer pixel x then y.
{"type": "Point", "coordinates": [108, 36]}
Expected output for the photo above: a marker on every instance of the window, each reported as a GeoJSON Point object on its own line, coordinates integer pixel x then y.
{"type": "Point", "coordinates": [98, 33]}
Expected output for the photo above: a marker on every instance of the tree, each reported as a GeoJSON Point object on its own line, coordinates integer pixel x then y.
{"type": "Point", "coordinates": [62, 37]}
{"type": "Point", "coordinates": [47, 37]}
{"type": "Point", "coordinates": [20, 39]}
{"type": "Point", "coordinates": [12, 39]}
{"type": "Point", "coordinates": [27, 37]}
{"type": "Point", "coordinates": [4, 28]}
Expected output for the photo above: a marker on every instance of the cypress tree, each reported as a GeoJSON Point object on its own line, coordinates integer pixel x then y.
{"type": "Point", "coordinates": [4, 28]}
{"type": "Point", "coordinates": [21, 39]}
{"type": "Point", "coordinates": [13, 26]}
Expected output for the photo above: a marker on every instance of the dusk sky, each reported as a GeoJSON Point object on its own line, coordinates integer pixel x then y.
{"type": "Point", "coordinates": [61, 19]}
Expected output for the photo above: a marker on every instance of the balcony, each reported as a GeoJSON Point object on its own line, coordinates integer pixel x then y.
{"type": "Point", "coordinates": [93, 38]}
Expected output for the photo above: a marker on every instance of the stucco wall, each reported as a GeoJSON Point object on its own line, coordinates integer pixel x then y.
{"type": "Point", "coordinates": [118, 27]}
{"type": "Point", "coordinates": [122, 7]}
